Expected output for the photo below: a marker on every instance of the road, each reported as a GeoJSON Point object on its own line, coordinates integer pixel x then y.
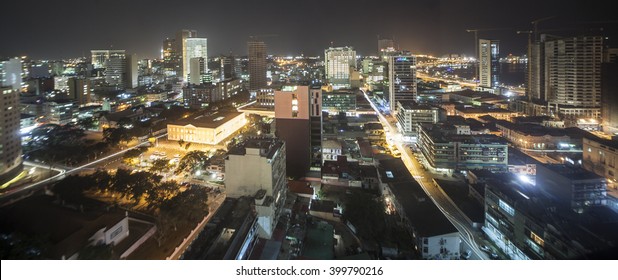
{"type": "Point", "coordinates": [473, 85]}
{"type": "Point", "coordinates": [38, 185]}
{"type": "Point", "coordinates": [459, 220]}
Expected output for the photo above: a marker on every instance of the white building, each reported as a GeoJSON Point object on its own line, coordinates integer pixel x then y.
{"type": "Point", "coordinates": [10, 141]}
{"type": "Point", "coordinates": [10, 73]}
{"type": "Point", "coordinates": [257, 168]}
{"type": "Point", "coordinates": [206, 129]}
{"type": "Point", "coordinates": [573, 76]}
{"type": "Point", "coordinates": [195, 48]}
{"type": "Point", "coordinates": [489, 66]}
{"type": "Point", "coordinates": [339, 63]}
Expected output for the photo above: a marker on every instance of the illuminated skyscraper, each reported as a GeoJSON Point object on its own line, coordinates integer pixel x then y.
{"type": "Point", "coordinates": [171, 58]}
{"type": "Point", "coordinates": [401, 79]}
{"type": "Point", "coordinates": [10, 73]}
{"type": "Point", "coordinates": [339, 63]}
{"type": "Point", "coordinates": [573, 76]}
{"type": "Point", "coordinates": [10, 140]}
{"type": "Point", "coordinates": [115, 64]}
{"type": "Point", "coordinates": [181, 50]}
{"type": "Point", "coordinates": [195, 48]}
{"type": "Point", "coordinates": [257, 64]}
{"type": "Point", "coordinates": [489, 63]}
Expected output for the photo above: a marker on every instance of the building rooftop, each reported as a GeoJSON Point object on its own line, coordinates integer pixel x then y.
{"type": "Point", "coordinates": [208, 120]}
{"type": "Point", "coordinates": [67, 230]}
{"type": "Point", "coordinates": [572, 172]}
{"type": "Point", "coordinates": [268, 146]}
{"type": "Point", "coordinates": [595, 230]}
{"type": "Point", "coordinates": [444, 133]}
{"type": "Point", "coordinates": [480, 110]}
{"type": "Point", "coordinates": [532, 129]}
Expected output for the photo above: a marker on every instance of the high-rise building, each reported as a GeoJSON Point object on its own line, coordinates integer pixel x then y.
{"type": "Point", "coordinates": [609, 92]}
{"type": "Point", "coordinates": [257, 168]}
{"type": "Point", "coordinates": [573, 76]}
{"type": "Point", "coordinates": [10, 73]}
{"type": "Point", "coordinates": [315, 118]}
{"type": "Point", "coordinates": [227, 67]}
{"type": "Point", "coordinates": [195, 48]}
{"type": "Point", "coordinates": [198, 71]}
{"type": "Point", "coordinates": [115, 69]}
{"type": "Point", "coordinates": [292, 114]}
{"type": "Point", "coordinates": [10, 139]}
{"type": "Point", "coordinates": [79, 90]}
{"type": "Point", "coordinates": [115, 64]}
{"type": "Point", "coordinates": [489, 63]}
{"type": "Point", "coordinates": [339, 63]}
{"type": "Point", "coordinates": [401, 79]}
{"type": "Point", "coordinates": [131, 71]}
{"type": "Point", "coordinates": [535, 78]}
{"type": "Point", "coordinates": [257, 64]}
{"type": "Point", "coordinates": [181, 50]}
{"type": "Point", "coordinates": [171, 58]}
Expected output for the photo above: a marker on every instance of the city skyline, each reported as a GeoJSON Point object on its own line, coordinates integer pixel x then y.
{"type": "Point", "coordinates": [432, 27]}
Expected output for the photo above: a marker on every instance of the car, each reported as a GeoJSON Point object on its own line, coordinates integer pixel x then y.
{"type": "Point", "coordinates": [494, 256]}
{"type": "Point", "coordinates": [485, 248]}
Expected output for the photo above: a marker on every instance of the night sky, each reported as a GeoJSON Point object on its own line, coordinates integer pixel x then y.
{"type": "Point", "coordinates": [71, 28]}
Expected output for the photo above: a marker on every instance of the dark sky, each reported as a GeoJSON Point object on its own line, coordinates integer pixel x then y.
{"type": "Point", "coordinates": [70, 28]}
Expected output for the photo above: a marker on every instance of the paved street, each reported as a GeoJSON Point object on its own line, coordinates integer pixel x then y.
{"type": "Point", "coordinates": [470, 236]}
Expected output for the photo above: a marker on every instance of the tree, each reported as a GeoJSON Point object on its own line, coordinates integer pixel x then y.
{"type": "Point", "coordinates": [115, 135]}
{"type": "Point", "coordinates": [87, 123]}
{"type": "Point", "coordinates": [71, 189]}
{"type": "Point", "coordinates": [121, 182]}
{"type": "Point", "coordinates": [192, 161]}
{"type": "Point", "coordinates": [160, 165]}
{"type": "Point", "coordinates": [366, 213]}
{"type": "Point", "coordinates": [136, 152]}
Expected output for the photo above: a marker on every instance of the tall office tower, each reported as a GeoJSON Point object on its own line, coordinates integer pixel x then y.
{"type": "Point", "coordinates": [401, 80]}
{"type": "Point", "coordinates": [339, 63]}
{"type": "Point", "coordinates": [489, 63]}
{"type": "Point", "coordinates": [292, 126]}
{"type": "Point", "coordinates": [171, 58]}
{"type": "Point", "coordinates": [79, 90]}
{"type": "Point", "coordinates": [115, 64]}
{"type": "Point", "coordinates": [315, 119]}
{"type": "Point", "coordinates": [10, 73]}
{"type": "Point", "coordinates": [227, 67]}
{"type": "Point", "coordinates": [535, 78]}
{"type": "Point", "coordinates": [131, 71]}
{"type": "Point", "coordinates": [385, 44]}
{"type": "Point", "coordinates": [10, 139]}
{"type": "Point", "coordinates": [257, 167]}
{"type": "Point", "coordinates": [609, 92]}
{"type": "Point", "coordinates": [257, 64]}
{"type": "Point", "coordinates": [99, 57]}
{"type": "Point", "coordinates": [115, 69]}
{"type": "Point", "coordinates": [181, 50]}
{"type": "Point", "coordinates": [198, 71]}
{"type": "Point", "coordinates": [573, 76]}
{"type": "Point", "coordinates": [195, 48]}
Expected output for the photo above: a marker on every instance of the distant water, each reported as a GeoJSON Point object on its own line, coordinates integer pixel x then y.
{"type": "Point", "coordinates": [510, 74]}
